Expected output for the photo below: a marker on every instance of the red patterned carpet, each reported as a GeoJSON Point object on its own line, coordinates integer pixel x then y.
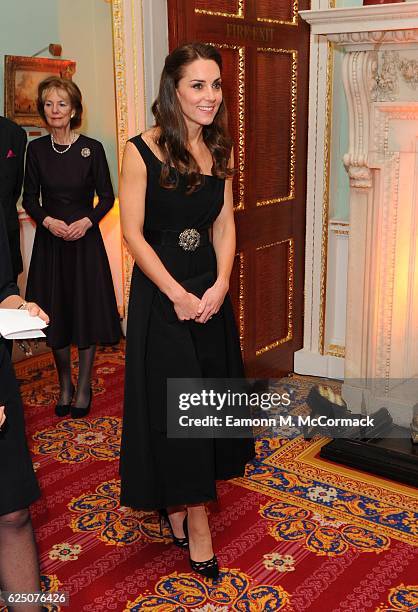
{"type": "Point", "coordinates": [296, 534]}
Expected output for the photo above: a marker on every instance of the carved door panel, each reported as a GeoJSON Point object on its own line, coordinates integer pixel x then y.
{"type": "Point", "coordinates": [265, 80]}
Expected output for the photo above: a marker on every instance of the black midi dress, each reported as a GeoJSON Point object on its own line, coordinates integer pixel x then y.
{"type": "Point", "coordinates": [158, 471]}
{"type": "Point", "coordinates": [71, 280]}
{"type": "Point", "coordinates": [18, 485]}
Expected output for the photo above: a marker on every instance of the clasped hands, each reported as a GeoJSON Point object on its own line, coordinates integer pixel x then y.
{"type": "Point", "coordinates": [74, 231]}
{"type": "Point", "coordinates": [190, 306]}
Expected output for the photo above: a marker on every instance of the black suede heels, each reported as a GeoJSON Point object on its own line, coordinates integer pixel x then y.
{"type": "Point", "coordinates": [208, 569]}
{"type": "Point", "coordinates": [78, 413]}
{"type": "Point", "coordinates": [164, 518]}
{"type": "Point", "coordinates": [64, 409]}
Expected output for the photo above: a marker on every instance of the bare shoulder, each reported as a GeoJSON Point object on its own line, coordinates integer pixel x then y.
{"type": "Point", "coordinates": [150, 137]}
{"type": "Point", "coordinates": [132, 163]}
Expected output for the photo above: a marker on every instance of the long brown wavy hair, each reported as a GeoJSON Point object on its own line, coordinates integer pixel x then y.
{"type": "Point", "coordinates": [173, 134]}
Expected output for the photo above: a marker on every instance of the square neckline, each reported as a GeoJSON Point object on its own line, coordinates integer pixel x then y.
{"type": "Point", "coordinates": [161, 162]}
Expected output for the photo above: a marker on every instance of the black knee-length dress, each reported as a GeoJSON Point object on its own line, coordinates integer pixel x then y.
{"type": "Point", "coordinates": [18, 485]}
{"type": "Point", "coordinates": [157, 471]}
{"type": "Point", "coordinates": [71, 280]}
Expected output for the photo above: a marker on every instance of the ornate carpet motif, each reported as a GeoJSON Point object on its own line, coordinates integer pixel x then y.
{"type": "Point", "coordinates": [321, 536]}
{"type": "Point", "coordinates": [101, 513]}
{"type": "Point", "coordinates": [179, 592]}
{"type": "Point", "coordinates": [297, 534]}
{"type": "Point", "coordinates": [72, 441]}
{"type": "Point", "coordinates": [401, 598]}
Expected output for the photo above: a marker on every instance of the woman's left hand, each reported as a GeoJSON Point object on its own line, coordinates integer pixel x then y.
{"type": "Point", "coordinates": [78, 229]}
{"type": "Point", "coordinates": [35, 311]}
{"type": "Point", "coordinates": [211, 301]}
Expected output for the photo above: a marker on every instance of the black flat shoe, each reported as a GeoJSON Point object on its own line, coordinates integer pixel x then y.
{"type": "Point", "coordinates": [79, 413]}
{"type": "Point", "coordinates": [64, 409]}
{"type": "Point", "coordinates": [164, 518]}
{"type": "Point", "coordinates": [208, 569]}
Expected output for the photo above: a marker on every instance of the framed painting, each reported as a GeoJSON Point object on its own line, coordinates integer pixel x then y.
{"type": "Point", "coordinates": [22, 76]}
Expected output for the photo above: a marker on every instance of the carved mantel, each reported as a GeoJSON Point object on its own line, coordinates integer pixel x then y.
{"type": "Point", "coordinates": [380, 78]}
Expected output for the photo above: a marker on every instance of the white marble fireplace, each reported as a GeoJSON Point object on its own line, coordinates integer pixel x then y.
{"type": "Point", "coordinates": [380, 79]}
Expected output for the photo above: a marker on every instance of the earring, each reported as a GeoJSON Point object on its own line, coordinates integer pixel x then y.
{"type": "Point", "coordinates": [72, 115]}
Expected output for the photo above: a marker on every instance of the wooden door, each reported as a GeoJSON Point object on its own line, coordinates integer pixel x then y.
{"type": "Point", "coordinates": [265, 50]}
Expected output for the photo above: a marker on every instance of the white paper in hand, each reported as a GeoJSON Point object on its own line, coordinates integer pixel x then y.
{"type": "Point", "coordinates": [19, 325]}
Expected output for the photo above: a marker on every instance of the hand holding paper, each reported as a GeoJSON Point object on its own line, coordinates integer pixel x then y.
{"type": "Point", "coordinates": [19, 324]}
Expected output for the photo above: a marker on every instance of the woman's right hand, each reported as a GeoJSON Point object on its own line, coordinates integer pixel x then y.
{"type": "Point", "coordinates": [56, 226]}
{"type": "Point", "coordinates": [2, 416]}
{"type": "Point", "coordinates": [186, 306]}
{"type": "Point", "coordinates": [36, 311]}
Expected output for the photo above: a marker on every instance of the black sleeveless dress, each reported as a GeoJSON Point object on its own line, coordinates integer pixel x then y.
{"type": "Point", "coordinates": [157, 471]}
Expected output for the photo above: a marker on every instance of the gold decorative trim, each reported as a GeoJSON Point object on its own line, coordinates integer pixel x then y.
{"type": "Point", "coordinates": [325, 200]}
{"type": "Point", "coordinates": [120, 80]}
{"type": "Point", "coordinates": [293, 22]}
{"type": "Point", "coordinates": [120, 60]}
{"type": "Point", "coordinates": [241, 321]}
{"type": "Point", "coordinates": [336, 350]}
{"type": "Point", "coordinates": [143, 64]}
{"type": "Point", "coordinates": [121, 115]}
{"type": "Point", "coordinates": [241, 120]}
{"type": "Point", "coordinates": [238, 15]}
{"type": "Point", "coordinates": [135, 60]}
{"type": "Point", "coordinates": [290, 263]}
{"type": "Point", "coordinates": [293, 90]}
{"type": "Point", "coordinates": [339, 232]}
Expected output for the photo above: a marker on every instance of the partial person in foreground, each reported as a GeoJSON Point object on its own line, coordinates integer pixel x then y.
{"type": "Point", "coordinates": [19, 567]}
{"type": "Point", "coordinates": [175, 187]}
{"type": "Point", "coordinates": [12, 155]}
{"type": "Point", "coordinates": [69, 273]}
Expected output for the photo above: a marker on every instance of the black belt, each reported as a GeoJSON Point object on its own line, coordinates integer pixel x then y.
{"type": "Point", "coordinates": [189, 239]}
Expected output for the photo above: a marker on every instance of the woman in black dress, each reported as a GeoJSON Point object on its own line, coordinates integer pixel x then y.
{"type": "Point", "coordinates": [177, 177]}
{"type": "Point", "coordinates": [69, 273]}
{"type": "Point", "coordinates": [19, 568]}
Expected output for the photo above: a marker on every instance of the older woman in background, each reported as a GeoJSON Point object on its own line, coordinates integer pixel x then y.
{"type": "Point", "coordinates": [69, 273]}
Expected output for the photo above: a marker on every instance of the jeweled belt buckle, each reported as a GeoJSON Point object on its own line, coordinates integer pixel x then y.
{"type": "Point", "coordinates": [189, 239]}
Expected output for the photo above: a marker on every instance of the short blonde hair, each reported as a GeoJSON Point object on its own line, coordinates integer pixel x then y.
{"type": "Point", "coordinates": [70, 88]}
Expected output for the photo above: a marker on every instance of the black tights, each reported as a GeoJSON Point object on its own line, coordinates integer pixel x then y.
{"type": "Point", "coordinates": [19, 566]}
{"type": "Point", "coordinates": [85, 364]}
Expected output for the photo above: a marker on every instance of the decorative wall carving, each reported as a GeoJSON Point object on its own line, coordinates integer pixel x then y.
{"type": "Point", "coordinates": [347, 39]}
{"type": "Point", "coordinates": [358, 70]}
{"type": "Point", "coordinates": [386, 77]}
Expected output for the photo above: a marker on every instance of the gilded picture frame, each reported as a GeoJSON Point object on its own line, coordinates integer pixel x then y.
{"type": "Point", "coordinates": [21, 78]}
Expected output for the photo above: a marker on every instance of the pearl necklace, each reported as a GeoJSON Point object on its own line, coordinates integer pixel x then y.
{"type": "Point", "coordinates": [73, 138]}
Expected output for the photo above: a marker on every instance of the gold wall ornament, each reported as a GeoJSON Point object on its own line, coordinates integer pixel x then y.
{"type": "Point", "coordinates": [336, 350]}
{"type": "Point", "coordinates": [293, 21]}
{"type": "Point", "coordinates": [238, 15]}
{"type": "Point", "coordinates": [241, 120]}
{"type": "Point", "coordinates": [128, 14]}
{"type": "Point", "coordinates": [325, 200]}
{"type": "Point", "coordinates": [120, 79]}
{"type": "Point", "coordinates": [122, 121]}
{"type": "Point", "coordinates": [290, 278]}
{"type": "Point", "coordinates": [241, 303]}
{"type": "Point", "coordinates": [292, 136]}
